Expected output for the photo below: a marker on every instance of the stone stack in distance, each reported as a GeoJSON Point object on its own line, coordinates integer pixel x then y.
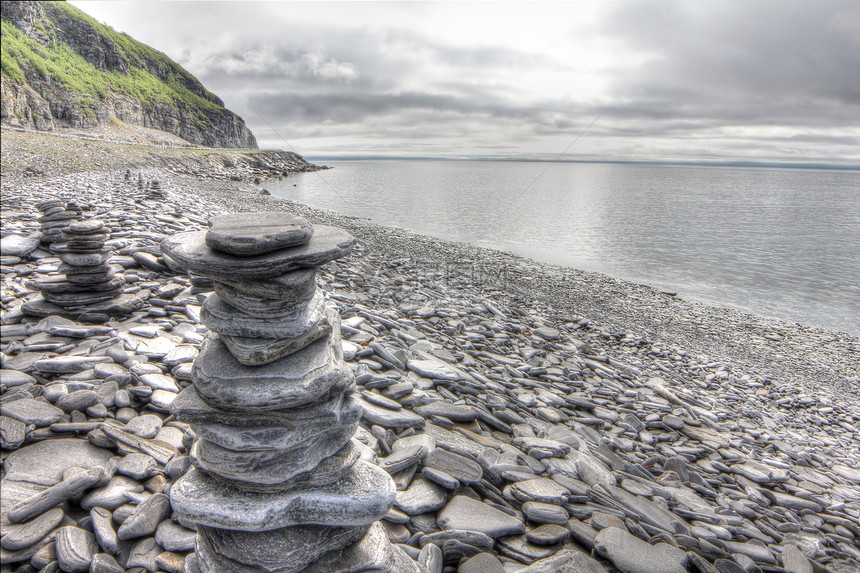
{"type": "Point", "coordinates": [276, 482]}
{"type": "Point", "coordinates": [89, 285]}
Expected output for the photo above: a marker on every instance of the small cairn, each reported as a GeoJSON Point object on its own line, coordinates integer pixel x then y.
{"type": "Point", "coordinates": [155, 190]}
{"type": "Point", "coordinates": [276, 482]}
{"type": "Point", "coordinates": [88, 286]}
{"type": "Point", "coordinates": [55, 216]}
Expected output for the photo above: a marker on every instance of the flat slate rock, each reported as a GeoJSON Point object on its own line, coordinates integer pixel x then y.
{"type": "Point", "coordinates": [361, 497]}
{"type": "Point", "coordinates": [249, 234]}
{"type": "Point", "coordinates": [469, 514]}
{"type": "Point", "coordinates": [632, 555]}
{"type": "Point", "coordinates": [32, 411]}
{"type": "Point", "coordinates": [120, 306]}
{"type": "Point", "coordinates": [304, 377]}
{"type": "Point", "coordinates": [190, 250]}
{"type": "Point", "coordinates": [219, 316]}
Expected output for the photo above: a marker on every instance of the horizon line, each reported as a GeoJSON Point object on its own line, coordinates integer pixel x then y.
{"type": "Point", "coordinates": [680, 162]}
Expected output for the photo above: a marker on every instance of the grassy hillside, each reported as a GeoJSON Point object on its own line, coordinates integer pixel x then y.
{"type": "Point", "coordinates": [23, 58]}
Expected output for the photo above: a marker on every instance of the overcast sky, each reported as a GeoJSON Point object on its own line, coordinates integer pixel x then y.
{"type": "Point", "coordinates": [697, 80]}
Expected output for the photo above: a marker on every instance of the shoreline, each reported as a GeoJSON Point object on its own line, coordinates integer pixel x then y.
{"type": "Point", "coordinates": [810, 359]}
{"type": "Point", "coordinates": [742, 431]}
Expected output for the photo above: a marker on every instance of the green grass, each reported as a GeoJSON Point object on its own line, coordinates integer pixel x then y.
{"type": "Point", "coordinates": [151, 77]}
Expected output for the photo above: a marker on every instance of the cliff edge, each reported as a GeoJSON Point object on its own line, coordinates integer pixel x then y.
{"type": "Point", "coordinates": [63, 69]}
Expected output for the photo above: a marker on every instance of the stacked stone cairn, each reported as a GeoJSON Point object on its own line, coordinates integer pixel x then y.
{"type": "Point", "coordinates": [155, 190]}
{"type": "Point", "coordinates": [87, 286]}
{"type": "Point", "coordinates": [55, 216]}
{"type": "Point", "coordinates": [276, 482]}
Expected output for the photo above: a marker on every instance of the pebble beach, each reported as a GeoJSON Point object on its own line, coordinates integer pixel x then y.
{"type": "Point", "coordinates": [532, 417]}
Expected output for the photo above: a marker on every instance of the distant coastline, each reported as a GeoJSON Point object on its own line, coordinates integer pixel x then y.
{"type": "Point", "coordinates": [715, 163]}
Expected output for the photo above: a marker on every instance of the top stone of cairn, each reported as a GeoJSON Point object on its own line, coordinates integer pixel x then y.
{"type": "Point", "coordinates": [249, 234]}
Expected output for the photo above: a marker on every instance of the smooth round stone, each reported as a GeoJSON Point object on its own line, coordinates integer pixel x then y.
{"type": "Point", "coordinates": [86, 227]}
{"type": "Point", "coordinates": [279, 550]}
{"type": "Point", "coordinates": [420, 497]}
{"type": "Point", "coordinates": [248, 234]}
{"type": "Point", "coordinates": [548, 534]}
{"type": "Point", "coordinates": [174, 537]}
{"type": "Point", "coordinates": [359, 498]}
{"type": "Point", "coordinates": [219, 316]}
{"type": "Point", "coordinates": [301, 378]}
{"type": "Point", "coordinates": [545, 513]}
{"type": "Point", "coordinates": [85, 259]}
{"type": "Point", "coordinates": [299, 284]}
{"type": "Point", "coordinates": [191, 251]}
{"type": "Point", "coordinates": [263, 307]}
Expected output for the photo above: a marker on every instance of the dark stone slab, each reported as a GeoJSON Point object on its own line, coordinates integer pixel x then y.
{"type": "Point", "coordinates": [361, 497]}
{"type": "Point", "coordinates": [191, 251]}
{"type": "Point", "coordinates": [304, 377]}
{"type": "Point", "coordinates": [120, 306]}
{"type": "Point", "coordinates": [219, 316]}
{"type": "Point", "coordinates": [249, 234]}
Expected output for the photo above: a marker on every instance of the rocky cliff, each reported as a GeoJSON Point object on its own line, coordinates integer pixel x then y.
{"type": "Point", "coordinates": [62, 69]}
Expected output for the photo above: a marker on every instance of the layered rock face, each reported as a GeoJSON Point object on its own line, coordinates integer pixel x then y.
{"type": "Point", "coordinates": [276, 482]}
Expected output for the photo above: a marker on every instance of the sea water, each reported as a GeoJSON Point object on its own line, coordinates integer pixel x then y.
{"type": "Point", "coordinates": [777, 242]}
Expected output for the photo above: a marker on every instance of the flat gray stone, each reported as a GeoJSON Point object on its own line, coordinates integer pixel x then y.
{"type": "Point", "coordinates": [361, 497]}
{"type": "Point", "coordinates": [264, 307]}
{"type": "Point", "coordinates": [190, 250]}
{"type": "Point", "coordinates": [27, 534]}
{"type": "Point", "coordinates": [145, 518]}
{"type": "Point", "coordinates": [453, 412]}
{"type": "Point", "coordinates": [112, 495]}
{"type": "Point", "coordinates": [121, 305]}
{"type": "Point", "coordinates": [248, 234]}
{"type": "Point", "coordinates": [296, 285]}
{"type": "Point", "coordinates": [279, 550]}
{"type": "Point", "coordinates": [271, 466]}
{"type": "Point", "coordinates": [32, 411]}
{"type": "Point", "coordinates": [632, 555]}
{"type": "Point", "coordinates": [45, 462]}
{"type": "Point", "coordinates": [395, 419]}
{"type": "Point", "coordinates": [103, 529]}
{"type": "Point", "coordinates": [545, 513]}
{"type": "Point", "coordinates": [565, 561]}
{"type": "Point", "coordinates": [420, 497]}
{"type": "Point", "coordinates": [541, 490]}
{"type": "Point", "coordinates": [260, 351]}
{"type": "Point", "coordinates": [174, 537]}
{"type": "Point", "coordinates": [18, 245]}
{"type": "Point", "coordinates": [373, 553]}
{"type": "Point", "coordinates": [465, 513]}
{"type": "Point", "coordinates": [304, 377]}
{"type": "Point", "coordinates": [548, 534]}
{"type": "Point", "coordinates": [12, 433]}
{"type": "Point", "coordinates": [224, 319]}
{"type": "Point", "coordinates": [459, 467]}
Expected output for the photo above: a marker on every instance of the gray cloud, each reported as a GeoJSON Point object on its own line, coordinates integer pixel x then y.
{"type": "Point", "coordinates": [737, 77]}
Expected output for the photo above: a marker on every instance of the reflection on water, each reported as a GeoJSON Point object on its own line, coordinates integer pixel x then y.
{"type": "Point", "coordinates": [777, 242]}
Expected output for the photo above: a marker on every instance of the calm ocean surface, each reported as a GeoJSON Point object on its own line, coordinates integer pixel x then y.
{"type": "Point", "coordinates": [776, 242]}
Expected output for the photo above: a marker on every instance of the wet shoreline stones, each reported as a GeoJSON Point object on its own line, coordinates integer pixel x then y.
{"type": "Point", "coordinates": [650, 439]}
